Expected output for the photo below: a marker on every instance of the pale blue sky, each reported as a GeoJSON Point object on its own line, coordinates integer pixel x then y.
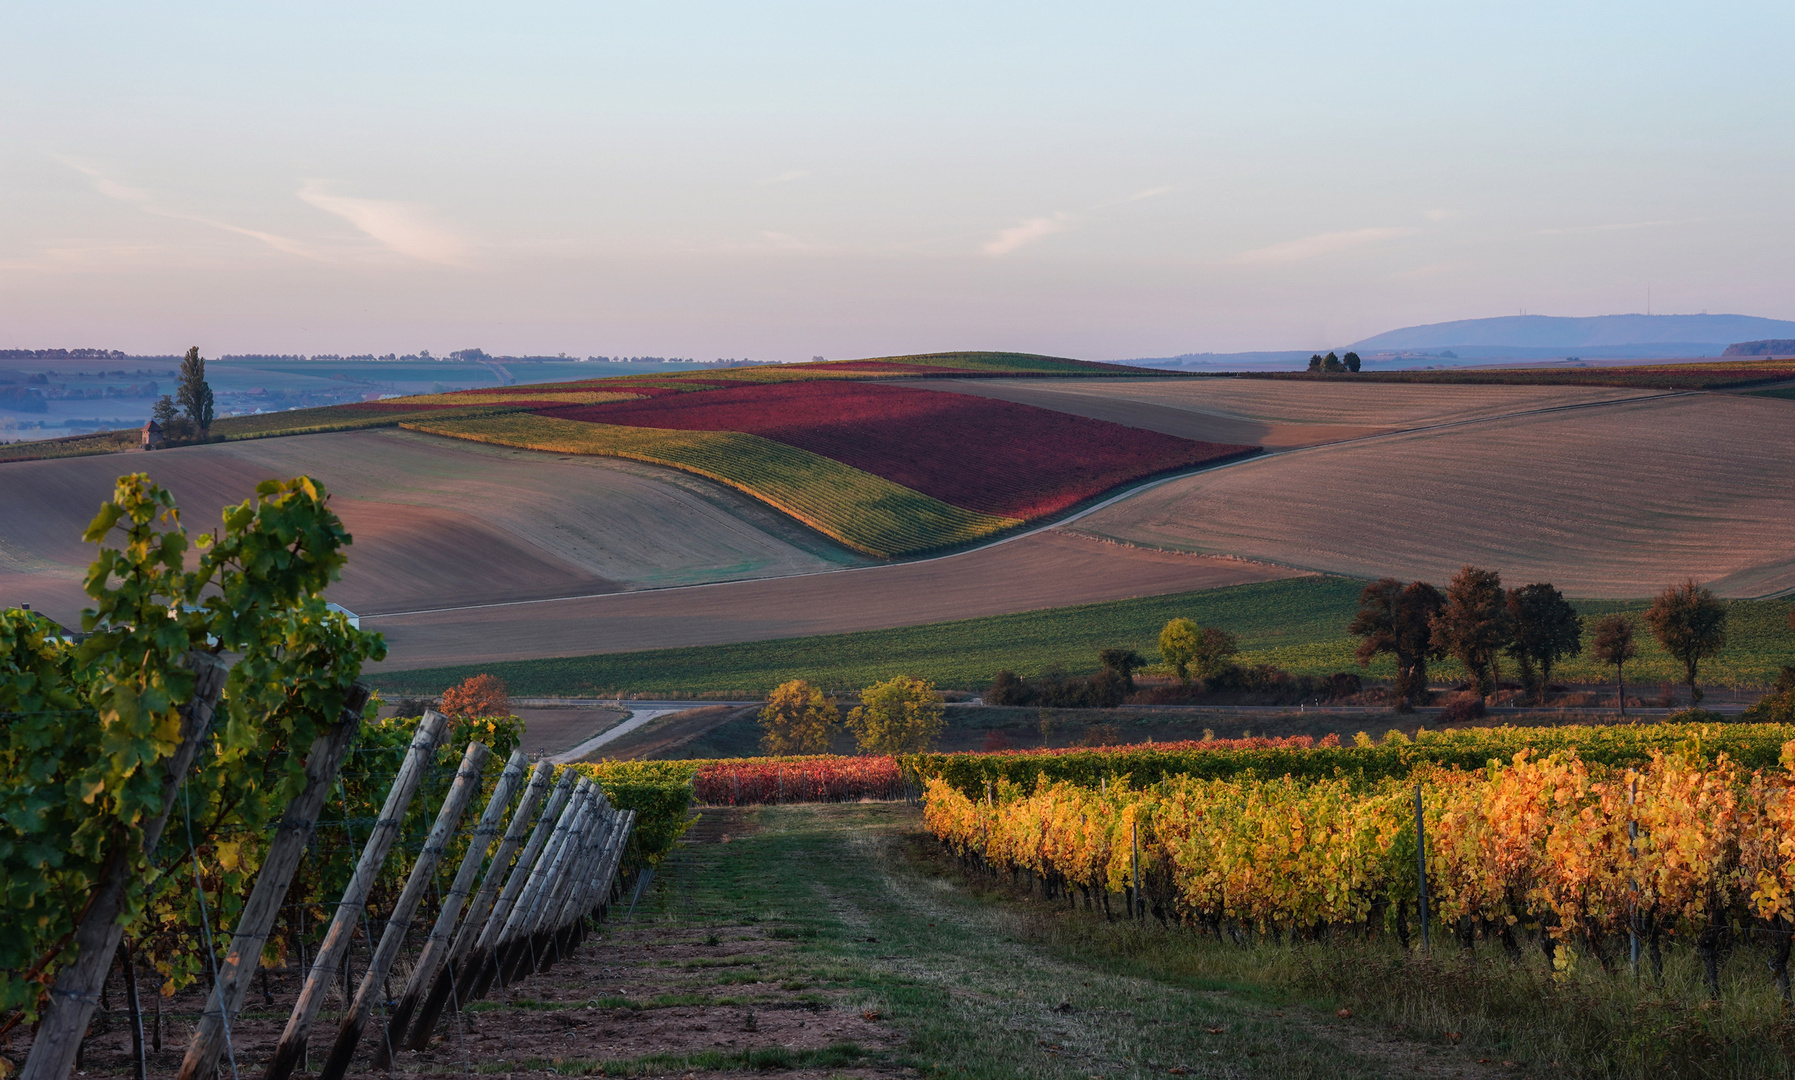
{"type": "Point", "coordinates": [786, 179]}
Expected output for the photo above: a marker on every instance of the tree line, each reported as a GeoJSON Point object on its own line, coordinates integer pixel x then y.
{"type": "Point", "coordinates": [1477, 622]}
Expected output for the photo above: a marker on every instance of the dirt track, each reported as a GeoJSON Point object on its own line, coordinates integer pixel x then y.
{"type": "Point", "coordinates": [1047, 569]}
{"type": "Point", "coordinates": [1614, 501]}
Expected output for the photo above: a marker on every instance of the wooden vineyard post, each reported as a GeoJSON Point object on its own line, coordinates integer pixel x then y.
{"type": "Point", "coordinates": [96, 938]}
{"type": "Point", "coordinates": [1134, 838]}
{"type": "Point", "coordinates": [140, 1062]}
{"type": "Point", "coordinates": [549, 921]}
{"type": "Point", "coordinates": [437, 944]}
{"type": "Point", "coordinates": [1421, 870]}
{"type": "Point", "coordinates": [571, 911]}
{"type": "Point", "coordinates": [423, 874]}
{"type": "Point", "coordinates": [549, 870]}
{"type": "Point", "coordinates": [336, 939]}
{"type": "Point", "coordinates": [474, 977]}
{"type": "Point", "coordinates": [284, 854]}
{"type": "Point", "coordinates": [443, 987]}
{"type": "Point", "coordinates": [1633, 853]}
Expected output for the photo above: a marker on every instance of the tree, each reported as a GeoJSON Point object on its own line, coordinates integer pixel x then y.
{"type": "Point", "coordinates": [897, 716]}
{"type": "Point", "coordinates": [193, 394]}
{"type": "Point", "coordinates": [1691, 625]}
{"type": "Point", "coordinates": [1614, 645]}
{"type": "Point", "coordinates": [797, 719]}
{"type": "Point", "coordinates": [1351, 360]}
{"type": "Point", "coordinates": [1546, 627]}
{"type": "Point", "coordinates": [163, 412]}
{"type": "Point", "coordinates": [1124, 662]}
{"type": "Point", "coordinates": [1214, 647]}
{"type": "Point", "coordinates": [1398, 620]}
{"type": "Point", "coordinates": [1315, 362]}
{"type": "Point", "coordinates": [1331, 363]}
{"type": "Point", "coordinates": [1178, 644]}
{"type": "Point", "coordinates": [1473, 626]}
{"type": "Point", "coordinates": [477, 695]}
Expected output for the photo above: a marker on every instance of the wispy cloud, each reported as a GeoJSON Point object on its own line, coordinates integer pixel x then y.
{"type": "Point", "coordinates": [1326, 243]}
{"type": "Point", "coordinates": [1436, 215]}
{"type": "Point", "coordinates": [1150, 193]}
{"type": "Point", "coordinates": [1615, 227]}
{"type": "Point", "coordinates": [1027, 232]}
{"type": "Point", "coordinates": [147, 202]}
{"type": "Point", "coordinates": [401, 227]}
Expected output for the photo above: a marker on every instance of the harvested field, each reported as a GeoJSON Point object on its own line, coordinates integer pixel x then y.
{"type": "Point", "coordinates": [1276, 414]}
{"type": "Point", "coordinates": [1043, 570]}
{"type": "Point", "coordinates": [436, 521]}
{"type": "Point", "coordinates": [1614, 501]}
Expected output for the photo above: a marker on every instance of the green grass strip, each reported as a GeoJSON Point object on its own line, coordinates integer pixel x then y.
{"type": "Point", "coordinates": [764, 1059]}
{"type": "Point", "coordinates": [1298, 624]}
{"type": "Point", "coordinates": [863, 511]}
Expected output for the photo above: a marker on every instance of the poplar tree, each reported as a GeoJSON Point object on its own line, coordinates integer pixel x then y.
{"type": "Point", "coordinates": [194, 395]}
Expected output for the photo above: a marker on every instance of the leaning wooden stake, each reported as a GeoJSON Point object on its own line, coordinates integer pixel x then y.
{"type": "Point", "coordinates": [95, 944]}
{"type": "Point", "coordinates": [437, 945]}
{"type": "Point", "coordinates": [336, 939]}
{"type": "Point", "coordinates": [444, 985]}
{"type": "Point", "coordinates": [513, 946]}
{"type": "Point", "coordinates": [423, 875]}
{"type": "Point", "coordinates": [284, 854]}
{"type": "Point", "coordinates": [472, 977]}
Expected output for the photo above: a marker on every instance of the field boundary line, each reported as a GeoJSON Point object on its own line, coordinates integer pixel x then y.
{"type": "Point", "coordinates": [1068, 519]}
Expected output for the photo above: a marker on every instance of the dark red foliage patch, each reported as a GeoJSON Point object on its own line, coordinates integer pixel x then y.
{"type": "Point", "coordinates": [998, 457]}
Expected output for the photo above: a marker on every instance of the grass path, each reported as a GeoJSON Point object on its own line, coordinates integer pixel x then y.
{"type": "Point", "coordinates": [969, 983]}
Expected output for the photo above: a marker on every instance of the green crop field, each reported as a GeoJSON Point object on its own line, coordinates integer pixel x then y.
{"type": "Point", "coordinates": [1297, 624]}
{"type": "Point", "coordinates": [861, 510]}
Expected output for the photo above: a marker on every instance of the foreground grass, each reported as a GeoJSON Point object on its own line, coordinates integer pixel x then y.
{"type": "Point", "coordinates": [987, 982]}
{"type": "Point", "coordinates": [1298, 624]}
{"type": "Point", "coordinates": [982, 987]}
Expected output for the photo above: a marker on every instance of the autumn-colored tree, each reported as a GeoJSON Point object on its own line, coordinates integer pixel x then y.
{"type": "Point", "coordinates": [1691, 625]}
{"type": "Point", "coordinates": [1178, 644]}
{"type": "Point", "coordinates": [897, 716]}
{"type": "Point", "coordinates": [478, 695]}
{"type": "Point", "coordinates": [1397, 619]}
{"type": "Point", "coordinates": [797, 719]}
{"type": "Point", "coordinates": [1546, 627]}
{"type": "Point", "coordinates": [1473, 626]}
{"type": "Point", "coordinates": [1214, 647]}
{"type": "Point", "coordinates": [1613, 645]}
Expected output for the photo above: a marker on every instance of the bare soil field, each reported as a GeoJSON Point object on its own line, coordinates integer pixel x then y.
{"type": "Point", "coordinates": [1277, 415]}
{"type": "Point", "coordinates": [1047, 569]}
{"type": "Point", "coordinates": [1611, 501]}
{"type": "Point", "coordinates": [435, 520]}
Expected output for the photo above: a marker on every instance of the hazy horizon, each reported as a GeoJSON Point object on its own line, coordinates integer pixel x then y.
{"type": "Point", "coordinates": [803, 179]}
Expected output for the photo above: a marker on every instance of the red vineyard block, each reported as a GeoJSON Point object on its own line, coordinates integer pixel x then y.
{"type": "Point", "coordinates": [996, 457]}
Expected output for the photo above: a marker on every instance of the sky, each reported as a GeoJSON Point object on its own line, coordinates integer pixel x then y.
{"type": "Point", "coordinates": [784, 180]}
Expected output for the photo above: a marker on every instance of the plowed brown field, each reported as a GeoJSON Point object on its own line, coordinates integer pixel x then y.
{"type": "Point", "coordinates": [1608, 501]}
{"type": "Point", "coordinates": [1048, 569]}
{"type": "Point", "coordinates": [1277, 415]}
{"type": "Point", "coordinates": [435, 521]}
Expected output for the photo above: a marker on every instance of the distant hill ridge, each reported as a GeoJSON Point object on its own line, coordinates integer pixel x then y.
{"type": "Point", "coordinates": [1773, 347]}
{"type": "Point", "coordinates": [1556, 332]}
